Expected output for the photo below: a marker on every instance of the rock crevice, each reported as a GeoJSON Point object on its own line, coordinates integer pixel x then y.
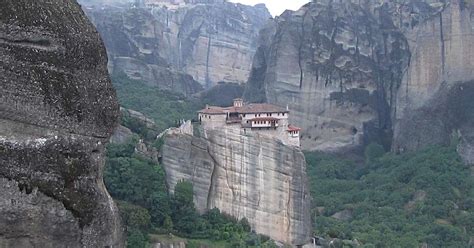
{"type": "Point", "coordinates": [244, 175]}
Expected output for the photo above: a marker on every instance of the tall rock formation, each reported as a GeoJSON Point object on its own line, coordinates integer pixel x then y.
{"type": "Point", "coordinates": [169, 44]}
{"type": "Point", "coordinates": [436, 98]}
{"type": "Point", "coordinates": [396, 72]}
{"type": "Point", "coordinates": [337, 66]}
{"type": "Point", "coordinates": [244, 175]}
{"type": "Point", "coordinates": [57, 112]}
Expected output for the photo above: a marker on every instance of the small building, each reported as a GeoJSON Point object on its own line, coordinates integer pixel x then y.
{"type": "Point", "coordinates": [263, 118]}
{"type": "Point", "coordinates": [294, 135]}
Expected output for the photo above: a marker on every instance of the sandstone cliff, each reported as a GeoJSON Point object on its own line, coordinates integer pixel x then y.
{"type": "Point", "coordinates": [337, 66]}
{"type": "Point", "coordinates": [436, 98]}
{"type": "Point", "coordinates": [57, 111]}
{"type": "Point", "coordinates": [353, 72]}
{"type": "Point", "coordinates": [247, 176]}
{"type": "Point", "coordinates": [169, 46]}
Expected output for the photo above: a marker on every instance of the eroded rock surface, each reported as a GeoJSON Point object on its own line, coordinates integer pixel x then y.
{"type": "Point", "coordinates": [57, 112]}
{"type": "Point", "coordinates": [436, 98]}
{"type": "Point", "coordinates": [337, 66]}
{"type": "Point", "coordinates": [168, 47]}
{"type": "Point", "coordinates": [244, 175]}
{"type": "Point", "coordinates": [352, 72]}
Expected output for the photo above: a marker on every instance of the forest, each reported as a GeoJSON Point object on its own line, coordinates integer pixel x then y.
{"type": "Point", "coordinates": [375, 199]}
{"type": "Point", "coordinates": [392, 200]}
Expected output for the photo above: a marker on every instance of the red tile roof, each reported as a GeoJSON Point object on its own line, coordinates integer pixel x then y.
{"type": "Point", "coordinates": [253, 108]}
{"type": "Point", "coordinates": [293, 128]}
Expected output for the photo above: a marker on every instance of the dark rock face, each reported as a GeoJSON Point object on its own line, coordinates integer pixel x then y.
{"type": "Point", "coordinates": [57, 112]}
{"type": "Point", "coordinates": [352, 72]}
{"type": "Point", "coordinates": [222, 94]}
{"type": "Point", "coordinates": [435, 99]}
{"type": "Point", "coordinates": [209, 42]}
{"type": "Point", "coordinates": [337, 65]}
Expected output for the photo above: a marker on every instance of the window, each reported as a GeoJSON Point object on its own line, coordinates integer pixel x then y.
{"type": "Point", "coordinates": [255, 115]}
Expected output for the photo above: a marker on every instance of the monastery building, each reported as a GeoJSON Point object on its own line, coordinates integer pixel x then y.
{"type": "Point", "coordinates": [262, 118]}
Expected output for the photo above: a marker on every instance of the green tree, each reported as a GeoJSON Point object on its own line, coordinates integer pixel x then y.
{"type": "Point", "coordinates": [168, 223]}
{"type": "Point", "coordinates": [136, 239]}
{"type": "Point", "coordinates": [245, 224]}
{"type": "Point", "coordinates": [403, 201]}
{"type": "Point", "coordinates": [134, 216]}
{"type": "Point", "coordinates": [185, 217]}
{"type": "Point", "coordinates": [183, 194]}
{"type": "Point", "coordinates": [373, 151]}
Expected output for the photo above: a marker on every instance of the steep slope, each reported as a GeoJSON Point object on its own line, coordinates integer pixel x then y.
{"type": "Point", "coordinates": [247, 176]}
{"type": "Point", "coordinates": [211, 42]}
{"type": "Point", "coordinates": [398, 73]}
{"type": "Point", "coordinates": [337, 66]}
{"type": "Point", "coordinates": [436, 98]}
{"type": "Point", "coordinates": [57, 111]}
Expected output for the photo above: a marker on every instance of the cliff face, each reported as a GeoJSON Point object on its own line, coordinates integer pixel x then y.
{"type": "Point", "coordinates": [247, 176]}
{"type": "Point", "coordinates": [57, 111]}
{"type": "Point", "coordinates": [353, 72]}
{"type": "Point", "coordinates": [211, 42]}
{"type": "Point", "coordinates": [337, 66]}
{"type": "Point", "coordinates": [436, 97]}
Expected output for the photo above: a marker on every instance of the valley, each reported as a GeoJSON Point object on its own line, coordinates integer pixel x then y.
{"type": "Point", "coordinates": [211, 123]}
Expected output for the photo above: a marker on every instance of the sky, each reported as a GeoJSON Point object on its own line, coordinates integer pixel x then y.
{"type": "Point", "coordinates": [276, 7]}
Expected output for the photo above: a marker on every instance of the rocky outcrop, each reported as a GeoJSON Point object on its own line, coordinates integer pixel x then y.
{"type": "Point", "coordinates": [436, 98]}
{"type": "Point", "coordinates": [222, 94]}
{"type": "Point", "coordinates": [168, 46]}
{"type": "Point", "coordinates": [57, 111]}
{"type": "Point", "coordinates": [244, 175]}
{"type": "Point", "coordinates": [337, 66]}
{"type": "Point", "coordinates": [352, 72]}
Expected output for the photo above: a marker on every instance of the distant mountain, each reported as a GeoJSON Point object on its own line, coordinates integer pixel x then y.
{"type": "Point", "coordinates": [162, 43]}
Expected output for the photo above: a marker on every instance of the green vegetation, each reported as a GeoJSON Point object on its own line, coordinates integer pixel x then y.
{"type": "Point", "coordinates": [138, 184]}
{"type": "Point", "coordinates": [164, 107]}
{"type": "Point", "coordinates": [139, 187]}
{"type": "Point", "coordinates": [394, 200]}
{"type": "Point", "coordinates": [387, 201]}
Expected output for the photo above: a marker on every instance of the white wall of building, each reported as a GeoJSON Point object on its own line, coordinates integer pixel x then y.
{"type": "Point", "coordinates": [246, 117]}
{"type": "Point", "coordinates": [212, 121]}
{"type": "Point", "coordinates": [281, 132]}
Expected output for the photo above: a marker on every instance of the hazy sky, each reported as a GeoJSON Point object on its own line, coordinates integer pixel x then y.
{"type": "Point", "coordinates": [276, 7]}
